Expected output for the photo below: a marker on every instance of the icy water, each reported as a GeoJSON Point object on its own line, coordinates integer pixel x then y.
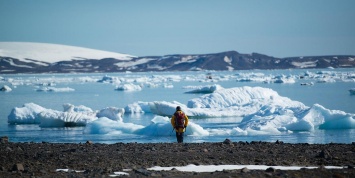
{"type": "Point", "coordinates": [327, 87]}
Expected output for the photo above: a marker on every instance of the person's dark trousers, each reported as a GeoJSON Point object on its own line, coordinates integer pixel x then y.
{"type": "Point", "coordinates": [180, 137]}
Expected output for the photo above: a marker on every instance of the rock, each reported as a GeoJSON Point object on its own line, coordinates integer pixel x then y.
{"type": "Point", "coordinates": [19, 149]}
{"type": "Point", "coordinates": [227, 142]}
{"type": "Point", "coordinates": [18, 167]}
{"type": "Point", "coordinates": [324, 154]}
{"type": "Point", "coordinates": [244, 170]}
{"type": "Point", "coordinates": [322, 167]}
{"type": "Point", "coordinates": [108, 170]}
{"type": "Point", "coordinates": [89, 142]}
{"type": "Point", "coordinates": [270, 169]}
{"type": "Point", "coordinates": [2, 168]}
{"type": "Point", "coordinates": [8, 149]}
{"type": "Point", "coordinates": [279, 142]}
{"type": "Point", "coordinates": [143, 171]}
{"type": "Point", "coordinates": [4, 139]}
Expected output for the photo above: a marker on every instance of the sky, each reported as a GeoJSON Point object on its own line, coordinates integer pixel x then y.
{"type": "Point", "coordinates": [276, 28]}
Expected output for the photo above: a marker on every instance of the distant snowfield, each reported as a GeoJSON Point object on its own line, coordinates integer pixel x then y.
{"type": "Point", "coordinates": [51, 53]}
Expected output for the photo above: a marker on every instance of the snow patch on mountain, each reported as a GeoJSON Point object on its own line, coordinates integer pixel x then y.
{"type": "Point", "coordinates": [186, 59]}
{"type": "Point", "coordinates": [11, 62]}
{"type": "Point", "coordinates": [308, 64]}
{"type": "Point", "coordinates": [127, 64]}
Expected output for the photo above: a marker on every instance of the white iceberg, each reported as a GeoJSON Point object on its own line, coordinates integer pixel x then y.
{"type": "Point", "coordinates": [262, 109]}
{"type": "Point", "coordinates": [129, 87]}
{"type": "Point", "coordinates": [137, 107]}
{"type": "Point", "coordinates": [5, 88]}
{"type": "Point", "coordinates": [112, 113]}
{"type": "Point", "coordinates": [32, 113]}
{"type": "Point", "coordinates": [160, 126]}
{"type": "Point", "coordinates": [54, 89]}
{"type": "Point", "coordinates": [105, 125]}
{"type": "Point", "coordinates": [204, 89]}
{"type": "Point", "coordinates": [52, 118]}
{"type": "Point", "coordinates": [27, 114]}
{"type": "Point", "coordinates": [81, 108]}
{"type": "Point", "coordinates": [284, 79]}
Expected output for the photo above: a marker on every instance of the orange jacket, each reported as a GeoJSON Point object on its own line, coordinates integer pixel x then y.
{"type": "Point", "coordinates": [185, 124]}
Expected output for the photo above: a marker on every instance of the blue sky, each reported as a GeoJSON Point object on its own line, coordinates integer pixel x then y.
{"type": "Point", "coordinates": [158, 27]}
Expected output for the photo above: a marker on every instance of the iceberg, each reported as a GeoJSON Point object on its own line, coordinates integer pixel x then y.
{"type": "Point", "coordinates": [262, 109]}
{"type": "Point", "coordinates": [240, 101]}
{"type": "Point", "coordinates": [284, 79]}
{"type": "Point", "coordinates": [105, 125]}
{"type": "Point", "coordinates": [5, 88]}
{"type": "Point", "coordinates": [204, 89]}
{"type": "Point", "coordinates": [112, 113]}
{"type": "Point", "coordinates": [52, 118]}
{"type": "Point", "coordinates": [53, 89]}
{"type": "Point", "coordinates": [352, 91]}
{"type": "Point", "coordinates": [109, 79]}
{"type": "Point", "coordinates": [138, 107]}
{"type": "Point", "coordinates": [161, 126]}
{"type": "Point", "coordinates": [81, 108]}
{"type": "Point", "coordinates": [129, 87]}
{"type": "Point", "coordinates": [27, 114]}
{"type": "Point", "coordinates": [32, 113]}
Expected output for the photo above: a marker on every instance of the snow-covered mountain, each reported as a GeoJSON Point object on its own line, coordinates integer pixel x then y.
{"type": "Point", "coordinates": [18, 57]}
{"type": "Point", "coordinates": [50, 53]}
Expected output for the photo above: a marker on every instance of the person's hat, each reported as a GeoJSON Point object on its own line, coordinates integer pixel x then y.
{"type": "Point", "coordinates": [178, 108]}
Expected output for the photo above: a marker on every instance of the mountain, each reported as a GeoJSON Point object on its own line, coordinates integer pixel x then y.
{"type": "Point", "coordinates": [52, 58]}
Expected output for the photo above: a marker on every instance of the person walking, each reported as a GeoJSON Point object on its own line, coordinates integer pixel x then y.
{"type": "Point", "coordinates": [179, 121]}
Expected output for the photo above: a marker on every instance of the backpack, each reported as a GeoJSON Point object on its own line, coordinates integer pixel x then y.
{"type": "Point", "coordinates": [179, 119]}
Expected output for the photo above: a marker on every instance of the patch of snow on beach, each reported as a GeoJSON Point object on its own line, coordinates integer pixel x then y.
{"type": "Point", "coordinates": [213, 168]}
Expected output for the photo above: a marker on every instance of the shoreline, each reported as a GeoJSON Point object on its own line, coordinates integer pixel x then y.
{"type": "Point", "coordinates": [96, 159]}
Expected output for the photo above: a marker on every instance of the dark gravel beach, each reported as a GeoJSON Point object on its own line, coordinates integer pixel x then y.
{"type": "Point", "coordinates": [102, 160]}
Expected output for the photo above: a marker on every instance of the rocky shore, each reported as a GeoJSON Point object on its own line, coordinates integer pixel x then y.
{"type": "Point", "coordinates": [103, 160]}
